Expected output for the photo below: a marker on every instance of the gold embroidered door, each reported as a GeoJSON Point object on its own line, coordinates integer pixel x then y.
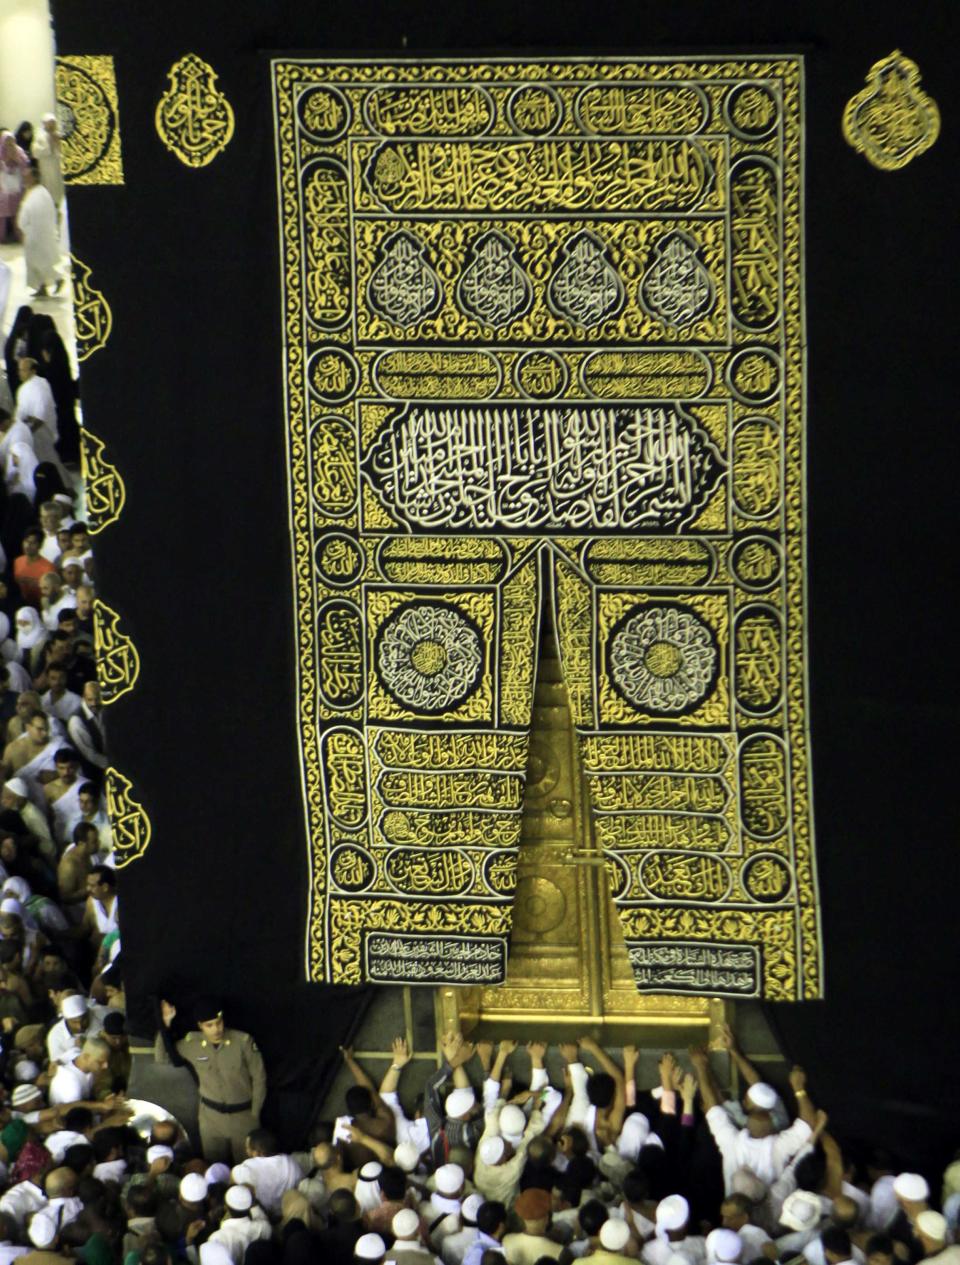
{"type": "Point", "coordinates": [568, 965]}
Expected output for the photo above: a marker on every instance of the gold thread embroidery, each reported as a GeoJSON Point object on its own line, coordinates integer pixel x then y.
{"type": "Point", "coordinates": [105, 491]}
{"type": "Point", "coordinates": [892, 120]}
{"type": "Point", "coordinates": [193, 117]}
{"type": "Point", "coordinates": [93, 319]}
{"type": "Point", "coordinates": [118, 661]}
{"type": "Point", "coordinates": [89, 119]}
{"type": "Point", "coordinates": [131, 825]}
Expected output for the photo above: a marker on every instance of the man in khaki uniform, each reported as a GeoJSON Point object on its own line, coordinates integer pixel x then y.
{"type": "Point", "coordinates": [230, 1077]}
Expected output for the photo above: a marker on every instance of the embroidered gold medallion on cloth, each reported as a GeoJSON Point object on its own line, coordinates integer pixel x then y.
{"type": "Point", "coordinates": [544, 335]}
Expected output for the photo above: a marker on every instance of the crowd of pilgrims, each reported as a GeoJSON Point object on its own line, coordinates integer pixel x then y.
{"type": "Point", "coordinates": [495, 1162]}
{"type": "Point", "coordinates": [509, 1156]}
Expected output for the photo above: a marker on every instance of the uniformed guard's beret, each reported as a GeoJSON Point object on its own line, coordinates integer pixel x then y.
{"type": "Point", "coordinates": [207, 1008]}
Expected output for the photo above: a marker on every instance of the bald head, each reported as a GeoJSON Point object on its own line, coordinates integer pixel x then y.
{"type": "Point", "coordinates": [61, 1183]}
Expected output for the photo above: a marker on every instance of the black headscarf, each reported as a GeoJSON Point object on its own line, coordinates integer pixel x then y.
{"type": "Point", "coordinates": [54, 365]}
{"type": "Point", "coordinates": [12, 348]}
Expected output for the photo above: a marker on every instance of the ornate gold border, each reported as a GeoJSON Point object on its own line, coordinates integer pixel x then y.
{"type": "Point", "coordinates": [89, 114]}
{"type": "Point", "coordinates": [785, 72]}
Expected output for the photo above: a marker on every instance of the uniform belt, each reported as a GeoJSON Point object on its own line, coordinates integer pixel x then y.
{"type": "Point", "coordinates": [227, 1108]}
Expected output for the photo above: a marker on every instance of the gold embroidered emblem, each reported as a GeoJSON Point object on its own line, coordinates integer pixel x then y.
{"type": "Point", "coordinates": [118, 663]}
{"type": "Point", "coordinates": [89, 120]}
{"type": "Point", "coordinates": [106, 493]}
{"type": "Point", "coordinates": [892, 119]}
{"type": "Point", "coordinates": [194, 119]}
{"type": "Point", "coordinates": [131, 825]}
{"type": "Point", "coordinates": [92, 317]}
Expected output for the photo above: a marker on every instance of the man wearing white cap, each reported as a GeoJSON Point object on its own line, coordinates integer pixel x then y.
{"type": "Point", "coordinates": [370, 1249]}
{"type": "Point", "coordinates": [801, 1215]}
{"type": "Point", "coordinates": [77, 1022]}
{"type": "Point", "coordinates": [267, 1170]}
{"type": "Point", "coordinates": [502, 1151]}
{"type": "Point", "coordinates": [243, 1224]}
{"type": "Point", "coordinates": [407, 1248]}
{"type": "Point", "coordinates": [758, 1146]}
{"type": "Point", "coordinates": [73, 1079]}
{"type": "Point", "coordinates": [615, 1240]}
{"type": "Point", "coordinates": [934, 1236]}
{"type": "Point", "coordinates": [724, 1247]}
{"type": "Point", "coordinates": [672, 1223]}
{"type": "Point", "coordinates": [455, 1246]}
{"type": "Point", "coordinates": [441, 1213]}
{"type": "Point", "coordinates": [451, 1128]}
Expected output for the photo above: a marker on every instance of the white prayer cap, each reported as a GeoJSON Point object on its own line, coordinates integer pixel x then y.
{"type": "Point", "coordinates": [801, 1211]}
{"type": "Point", "coordinates": [470, 1207]}
{"type": "Point", "coordinates": [18, 887]}
{"type": "Point", "coordinates": [214, 1254]}
{"type": "Point", "coordinates": [512, 1121]}
{"type": "Point", "coordinates": [490, 1150]}
{"type": "Point", "coordinates": [72, 561]}
{"type": "Point", "coordinates": [724, 1246]}
{"type": "Point", "coordinates": [193, 1188]}
{"type": "Point", "coordinates": [672, 1213]}
{"type": "Point", "coordinates": [633, 1135]}
{"type": "Point", "coordinates": [614, 1234]}
{"type": "Point", "coordinates": [63, 498]}
{"type": "Point", "coordinates": [159, 1152]}
{"type": "Point", "coordinates": [43, 1230]}
{"type": "Point", "coordinates": [932, 1225]}
{"type": "Point", "coordinates": [406, 1224]}
{"type": "Point", "coordinates": [746, 1182]}
{"type": "Point", "coordinates": [17, 786]}
{"type": "Point", "coordinates": [911, 1187]}
{"type": "Point", "coordinates": [25, 1070]}
{"type": "Point", "coordinates": [406, 1156]}
{"type": "Point", "coordinates": [369, 1247]}
{"type": "Point", "coordinates": [762, 1096]}
{"type": "Point", "coordinates": [215, 1173]}
{"type": "Point", "coordinates": [11, 906]}
{"type": "Point", "coordinates": [239, 1199]}
{"type": "Point", "coordinates": [449, 1179]}
{"type": "Point", "coordinates": [370, 1171]}
{"type": "Point", "coordinates": [459, 1102]}
{"type": "Point", "coordinates": [74, 1006]}
{"type": "Point", "coordinates": [24, 1094]}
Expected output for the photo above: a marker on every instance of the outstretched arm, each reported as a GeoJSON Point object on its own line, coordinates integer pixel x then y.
{"type": "Point", "coordinates": [401, 1057]}
{"type": "Point", "coordinates": [709, 1089]}
{"type": "Point", "coordinates": [356, 1071]}
{"type": "Point", "coordinates": [728, 1042]}
{"type": "Point", "coordinates": [607, 1064]}
{"type": "Point", "coordinates": [805, 1108]}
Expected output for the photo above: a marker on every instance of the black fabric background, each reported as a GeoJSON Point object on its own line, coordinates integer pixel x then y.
{"type": "Point", "coordinates": [188, 396]}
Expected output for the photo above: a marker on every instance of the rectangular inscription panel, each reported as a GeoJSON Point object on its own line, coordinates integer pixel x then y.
{"type": "Point", "coordinates": [543, 332]}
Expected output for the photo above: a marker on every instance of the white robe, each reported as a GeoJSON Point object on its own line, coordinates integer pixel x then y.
{"type": "Point", "coordinates": [37, 221]}
{"type": "Point", "coordinates": [48, 160]}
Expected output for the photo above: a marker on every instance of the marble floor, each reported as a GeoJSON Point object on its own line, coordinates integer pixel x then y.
{"type": "Point", "coordinates": [59, 306]}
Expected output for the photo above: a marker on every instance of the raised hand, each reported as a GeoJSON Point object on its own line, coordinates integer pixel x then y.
{"type": "Point", "coordinates": [688, 1087]}
{"type": "Point", "coordinates": [401, 1052]}
{"type": "Point", "coordinates": [168, 1012]}
{"type": "Point", "coordinates": [699, 1055]}
{"type": "Point", "coordinates": [798, 1079]}
{"type": "Point", "coordinates": [537, 1050]}
{"type": "Point", "coordinates": [631, 1055]}
{"type": "Point", "coordinates": [726, 1040]}
{"type": "Point", "coordinates": [570, 1051]}
{"type": "Point", "coordinates": [507, 1046]}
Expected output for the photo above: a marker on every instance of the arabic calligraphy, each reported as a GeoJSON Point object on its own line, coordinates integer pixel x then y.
{"type": "Point", "coordinates": [118, 662]}
{"type": "Point", "coordinates": [102, 483]}
{"type": "Point", "coordinates": [402, 285]}
{"type": "Point", "coordinates": [344, 761]}
{"type": "Point", "coordinates": [677, 287]}
{"type": "Point", "coordinates": [429, 656]}
{"type": "Point", "coordinates": [663, 659]}
{"type": "Point", "coordinates": [754, 244]}
{"type": "Point", "coordinates": [543, 468]}
{"type": "Point", "coordinates": [326, 226]}
{"type": "Point", "coordinates": [128, 818]}
{"type": "Point", "coordinates": [442, 110]}
{"type": "Point", "coordinates": [679, 876]}
{"type": "Point", "coordinates": [414, 959]}
{"type": "Point", "coordinates": [758, 648]}
{"type": "Point", "coordinates": [539, 176]}
{"type": "Point", "coordinates": [763, 786]}
{"type": "Point", "coordinates": [193, 117]}
{"type": "Point", "coordinates": [635, 109]}
{"type": "Point", "coordinates": [92, 316]}
{"type": "Point", "coordinates": [493, 287]}
{"type": "Point", "coordinates": [892, 120]}
{"type": "Point", "coordinates": [89, 124]}
{"type": "Point", "coordinates": [695, 967]}
{"type": "Point", "coordinates": [434, 872]}
{"type": "Point", "coordinates": [585, 286]}
{"type": "Point", "coordinates": [340, 654]}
